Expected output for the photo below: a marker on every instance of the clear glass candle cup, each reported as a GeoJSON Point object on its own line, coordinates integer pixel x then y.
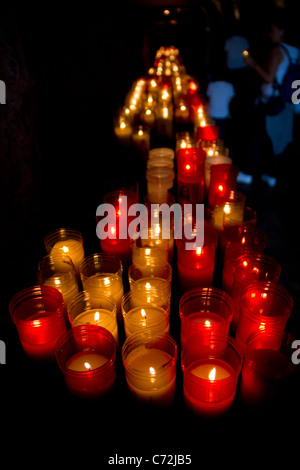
{"type": "Point", "coordinates": [39, 315]}
{"type": "Point", "coordinates": [102, 273]}
{"type": "Point", "coordinates": [151, 281]}
{"type": "Point", "coordinates": [210, 374]}
{"type": "Point", "coordinates": [139, 312]}
{"type": "Point", "coordinates": [162, 152]}
{"type": "Point", "coordinates": [66, 241]}
{"type": "Point", "coordinates": [147, 254]}
{"type": "Point", "coordinates": [267, 368]}
{"type": "Point", "coordinates": [85, 309]}
{"type": "Point", "coordinates": [247, 269]}
{"type": "Point", "coordinates": [59, 272]}
{"type": "Point", "coordinates": [86, 356]}
{"type": "Point", "coordinates": [159, 181]}
{"type": "Point", "coordinates": [149, 358]}
{"type": "Point", "coordinates": [230, 211]}
{"type": "Point", "coordinates": [263, 305]}
{"type": "Point", "coordinates": [204, 311]}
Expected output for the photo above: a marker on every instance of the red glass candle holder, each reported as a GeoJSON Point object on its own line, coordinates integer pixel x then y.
{"type": "Point", "coordinates": [149, 359]}
{"type": "Point", "coordinates": [223, 179]}
{"type": "Point", "coordinates": [195, 268]}
{"type": "Point", "coordinates": [190, 175]}
{"type": "Point", "coordinates": [210, 374]}
{"type": "Point", "coordinates": [204, 311]}
{"type": "Point", "coordinates": [118, 242]}
{"type": "Point", "coordinates": [207, 133]}
{"type": "Point", "coordinates": [236, 240]}
{"type": "Point", "coordinates": [39, 315]}
{"type": "Point", "coordinates": [247, 269]}
{"type": "Point", "coordinates": [263, 305]}
{"type": "Point", "coordinates": [267, 367]}
{"type": "Point", "coordinates": [86, 356]}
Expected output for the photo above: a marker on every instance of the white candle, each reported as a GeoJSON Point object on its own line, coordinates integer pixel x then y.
{"type": "Point", "coordinates": [146, 316]}
{"type": "Point", "coordinates": [100, 317]}
{"type": "Point", "coordinates": [85, 362]}
{"type": "Point", "coordinates": [151, 384]}
{"type": "Point", "coordinates": [70, 247]}
{"type": "Point", "coordinates": [105, 283]}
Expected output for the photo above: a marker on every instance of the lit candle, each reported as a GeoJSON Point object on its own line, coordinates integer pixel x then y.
{"type": "Point", "coordinates": [145, 316]}
{"type": "Point", "coordinates": [210, 374]}
{"type": "Point", "coordinates": [83, 362]}
{"type": "Point", "coordinates": [263, 305]}
{"type": "Point", "coordinates": [149, 359]}
{"type": "Point", "coordinates": [195, 268]}
{"type": "Point", "coordinates": [58, 272]}
{"type": "Point", "coordinates": [123, 132]}
{"type": "Point", "coordinates": [236, 240]}
{"type": "Point", "coordinates": [101, 273]}
{"type": "Point", "coordinates": [141, 141]}
{"type": "Point", "coordinates": [190, 175]}
{"type": "Point", "coordinates": [247, 269]}
{"type": "Point", "coordinates": [223, 179]}
{"type": "Point", "coordinates": [114, 244]}
{"type": "Point", "coordinates": [86, 310]}
{"type": "Point", "coordinates": [39, 315]}
{"type": "Point", "coordinates": [205, 311]}
{"type": "Point", "coordinates": [86, 356]}
{"type": "Point", "coordinates": [65, 241]}
{"type": "Point", "coordinates": [230, 211]}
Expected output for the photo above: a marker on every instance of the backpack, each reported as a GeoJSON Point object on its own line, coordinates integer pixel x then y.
{"type": "Point", "coordinates": [292, 74]}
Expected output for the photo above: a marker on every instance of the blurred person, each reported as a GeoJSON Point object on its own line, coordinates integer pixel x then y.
{"type": "Point", "coordinates": [278, 127]}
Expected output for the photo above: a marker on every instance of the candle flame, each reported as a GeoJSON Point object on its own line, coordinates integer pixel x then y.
{"type": "Point", "coordinates": [207, 323]}
{"type": "Point", "coordinates": [152, 370]}
{"type": "Point", "coordinates": [148, 285]}
{"type": "Point", "coordinates": [187, 167]}
{"type": "Point", "coordinates": [148, 111]}
{"type": "Point", "coordinates": [198, 250]}
{"type": "Point", "coordinates": [212, 374]}
{"type": "Point", "coordinates": [113, 230]}
{"type": "Point", "coordinates": [97, 316]}
{"type": "Point", "coordinates": [65, 249]}
{"type": "Point", "coordinates": [122, 125]}
{"type": "Point", "coordinates": [106, 281]}
{"type": "Point", "coordinates": [262, 326]}
{"type": "Point", "coordinates": [182, 107]}
{"type": "Point", "coordinates": [140, 132]}
{"type": "Point", "coordinates": [147, 251]}
{"type": "Point", "coordinates": [143, 313]}
{"type": "Point", "coordinates": [88, 366]}
{"type": "Point", "coordinates": [221, 187]}
{"type": "Point", "coordinates": [227, 209]}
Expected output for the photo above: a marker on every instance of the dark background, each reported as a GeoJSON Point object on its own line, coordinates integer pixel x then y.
{"type": "Point", "coordinates": [67, 69]}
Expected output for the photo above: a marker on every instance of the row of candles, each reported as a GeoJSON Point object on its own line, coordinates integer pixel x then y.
{"type": "Point", "coordinates": [79, 305]}
{"type": "Point", "coordinates": [166, 96]}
